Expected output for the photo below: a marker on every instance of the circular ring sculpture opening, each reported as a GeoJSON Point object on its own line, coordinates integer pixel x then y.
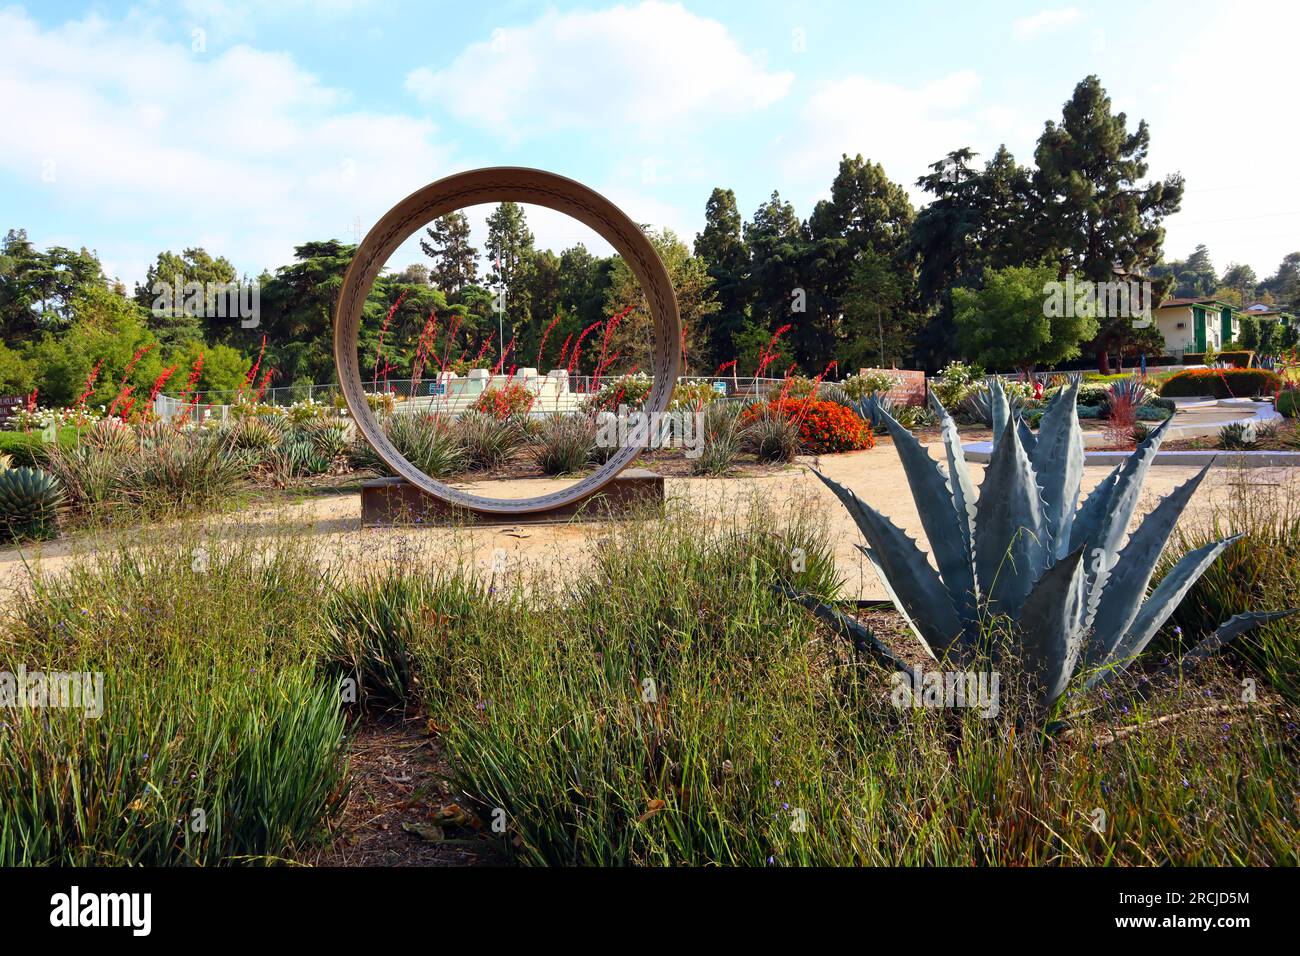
{"type": "Point", "coordinates": [502, 184]}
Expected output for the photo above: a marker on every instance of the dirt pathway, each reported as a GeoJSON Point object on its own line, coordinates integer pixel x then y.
{"type": "Point", "coordinates": [876, 476]}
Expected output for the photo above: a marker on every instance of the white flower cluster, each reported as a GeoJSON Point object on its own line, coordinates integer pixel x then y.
{"type": "Point", "coordinates": [40, 419]}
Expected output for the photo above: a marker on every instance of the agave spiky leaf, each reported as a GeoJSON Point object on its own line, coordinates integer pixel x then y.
{"type": "Point", "coordinates": [871, 406]}
{"type": "Point", "coordinates": [963, 489]}
{"type": "Point", "coordinates": [1122, 597]}
{"type": "Point", "coordinates": [862, 636]}
{"type": "Point", "coordinates": [1087, 520]}
{"type": "Point", "coordinates": [1001, 409]}
{"type": "Point", "coordinates": [30, 502]}
{"type": "Point", "coordinates": [1012, 543]}
{"type": "Point", "coordinates": [1111, 521]}
{"type": "Point", "coordinates": [1014, 538]}
{"type": "Point", "coordinates": [1052, 624]}
{"type": "Point", "coordinates": [1234, 626]}
{"type": "Point", "coordinates": [913, 585]}
{"type": "Point", "coordinates": [1058, 461]}
{"type": "Point", "coordinates": [939, 517]}
{"type": "Point", "coordinates": [1028, 440]}
{"type": "Point", "coordinates": [1156, 609]}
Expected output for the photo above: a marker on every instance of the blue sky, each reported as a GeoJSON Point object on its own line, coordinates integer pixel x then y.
{"type": "Point", "coordinates": [248, 128]}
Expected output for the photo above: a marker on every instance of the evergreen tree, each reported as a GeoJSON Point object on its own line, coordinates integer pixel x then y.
{"type": "Point", "coordinates": [1096, 212]}
{"type": "Point", "coordinates": [721, 247]}
{"type": "Point", "coordinates": [455, 263]}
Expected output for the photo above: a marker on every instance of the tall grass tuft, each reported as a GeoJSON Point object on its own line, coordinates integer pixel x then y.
{"type": "Point", "coordinates": [489, 441]}
{"type": "Point", "coordinates": [159, 471]}
{"type": "Point", "coordinates": [220, 740]}
{"type": "Point", "coordinates": [772, 436]}
{"type": "Point", "coordinates": [724, 438]}
{"type": "Point", "coordinates": [429, 442]}
{"type": "Point", "coordinates": [563, 444]}
{"type": "Point", "coordinates": [1262, 569]}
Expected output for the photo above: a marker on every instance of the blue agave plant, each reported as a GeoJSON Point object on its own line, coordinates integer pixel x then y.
{"type": "Point", "coordinates": [872, 408]}
{"type": "Point", "coordinates": [1133, 388]}
{"type": "Point", "coordinates": [981, 405]}
{"type": "Point", "coordinates": [1023, 549]}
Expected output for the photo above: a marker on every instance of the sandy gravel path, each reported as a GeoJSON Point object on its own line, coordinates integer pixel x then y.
{"type": "Point", "coordinates": [333, 521]}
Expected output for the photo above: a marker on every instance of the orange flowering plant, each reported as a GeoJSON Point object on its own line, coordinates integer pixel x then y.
{"type": "Point", "coordinates": [823, 426]}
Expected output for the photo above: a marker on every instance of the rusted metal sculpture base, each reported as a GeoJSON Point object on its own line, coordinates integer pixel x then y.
{"type": "Point", "coordinates": [388, 502]}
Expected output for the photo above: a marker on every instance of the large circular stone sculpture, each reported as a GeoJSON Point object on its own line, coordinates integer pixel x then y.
{"type": "Point", "coordinates": [492, 185]}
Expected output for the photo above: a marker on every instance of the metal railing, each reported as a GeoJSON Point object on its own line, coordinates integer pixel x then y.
{"type": "Point", "coordinates": [408, 388]}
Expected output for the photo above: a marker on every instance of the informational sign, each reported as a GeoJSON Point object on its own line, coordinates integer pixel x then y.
{"type": "Point", "coordinates": [720, 388]}
{"type": "Point", "coordinates": [10, 404]}
{"type": "Point", "coordinates": [909, 385]}
{"type": "Point", "coordinates": [437, 388]}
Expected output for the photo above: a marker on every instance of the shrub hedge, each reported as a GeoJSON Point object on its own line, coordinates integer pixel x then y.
{"type": "Point", "coordinates": [1242, 359]}
{"type": "Point", "coordinates": [27, 448]}
{"type": "Point", "coordinates": [1288, 403]}
{"type": "Point", "coordinates": [1222, 383]}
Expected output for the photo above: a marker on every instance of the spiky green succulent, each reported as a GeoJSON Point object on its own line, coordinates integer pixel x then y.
{"type": "Point", "coordinates": [870, 406]}
{"type": "Point", "coordinates": [981, 405]}
{"type": "Point", "coordinates": [302, 457]}
{"type": "Point", "coordinates": [30, 500]}
{"type": "Point", "coordinates": [328, 436]}
{"type": "Point", "coordinates": [1021, 550]}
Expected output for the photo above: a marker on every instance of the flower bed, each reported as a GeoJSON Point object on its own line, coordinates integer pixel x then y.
{"type": "Point", "coordinates": [823, 426]}
{"type": "Point", "coordinates": [505, 402]}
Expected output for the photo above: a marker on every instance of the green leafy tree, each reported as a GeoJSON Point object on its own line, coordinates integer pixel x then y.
{"type": "Point", "coordinates": [224, 370]}
{"type": "Point", "coordinates": [165, 285]}
{"type": "Point", "coordinates": [696, 301]}
{"type": "Point", "coordinates": [871, 306]}
{"type": "Point", "coordinates": [1242, 280]}
{"type": "Point", "coordinates": [979, 219]}
{"type": "Point", "coordinates": [867, 215]}
{"type": "Point", "coordinates": [107, 328]}
{"type": "Point", "coordinates": [1285, 283]}
{"type": "Point", "coordinates": [17, 375]}
{"type": "Point", "coordinates": [298, 313]}
{"type": "Point", "coordinates": [1006, 325]}
{"type": "Point", "coordinates": [1249, 336]}
{"type": "Point", "coordinates": [777, 285]}
{"type": "Point", "coordinates": [1268, 337]}
{"type": "Point", "coordinates": [38, 289]}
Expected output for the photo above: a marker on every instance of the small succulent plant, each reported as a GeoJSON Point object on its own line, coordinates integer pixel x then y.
{"type": "Point", "coordinates": [30, 500]}
{"type": "Point", "coordinates": [870, 406]}
{"type": "Point", "coordinates": [981, 407]}
{"type": "Point", "coordinates": [1239, 436]}
{"type": "Point", "coordinates": [1132, 388]}
{"type": "Point", "coordinates": [830, 392]}
{"type": "Point", "coordinates": [1022, 552]}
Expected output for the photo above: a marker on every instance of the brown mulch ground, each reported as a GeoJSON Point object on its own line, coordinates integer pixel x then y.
{"type": "Point", "coordinates": [401, 810]}
{"type": "Point", "coordinates": [1284, 437]}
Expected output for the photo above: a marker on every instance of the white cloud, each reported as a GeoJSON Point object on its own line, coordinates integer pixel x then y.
{"type": "Point", "coordinates": [642, 68]}
{"type": "Point", "coordinates": [226, 20]}
{"type": "Point", "coordinates": [904, 129]}
{"type": "Point", "coordinates": [243, 147]}
{"type": "Point", "coordinates": [1048, 21]}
